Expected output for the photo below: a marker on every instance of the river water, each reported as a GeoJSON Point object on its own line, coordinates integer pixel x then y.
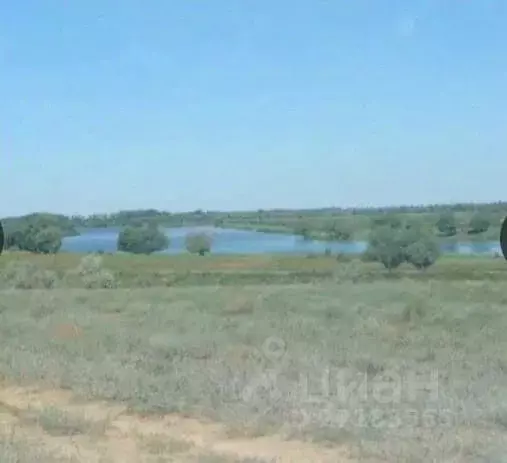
{"type": "Point", "coordinates": [228, 241]}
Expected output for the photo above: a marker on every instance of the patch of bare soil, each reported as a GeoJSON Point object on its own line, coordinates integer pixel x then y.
{"type": "Point", "coordinates": [66, 331]}
{"type": "Point", "coordinates": [92, 432]}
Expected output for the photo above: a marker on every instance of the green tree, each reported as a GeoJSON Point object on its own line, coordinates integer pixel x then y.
{"type": "Point", "coordinates": [446, 224]}
{"type": "Point", "coordinates": [47, 240]}
{"type": "Point", "coordinates": [392, 247]}
{"type": "Point", "coordinates": [13, 239]}
{"type": "Point", "coordinates": [35, 237]}
{"type": "Point", "coordinates": [144, 239]}
{"type": "Point", "coordinates": [422, 251]}
{"type": "Point", "coordinates": [40, 221]}
{"type": "Point", "coordinates": [387, 246]}
{"type": "Point", "coordinates": [479, 223]}
{"type": "Point", "coordinates": [198, 243]}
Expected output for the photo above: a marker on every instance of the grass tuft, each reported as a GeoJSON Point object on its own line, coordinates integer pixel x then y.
{"type": "Point", "coordinates": [57, 422]}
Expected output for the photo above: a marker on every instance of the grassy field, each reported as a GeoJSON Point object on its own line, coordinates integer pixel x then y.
{"type": "Point", "coordinates": [353, 366]}
{"type": "Point", "coordinates": [24, 270]}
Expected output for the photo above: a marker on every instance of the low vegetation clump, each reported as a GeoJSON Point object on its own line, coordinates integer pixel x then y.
{"type": "Point", "coordinates": [479, 223]}
{"type": "Point", "coordinates": [423, 252]}
{"type": "Point", "coordinates": [36, 239]}
{"type": "Point", "coordinates": [17, 450]}
{"type": "Point", "coordinates": [396, 243]}
{"type": "Point", "coordinates": [446, 224]}
{"type": "Point", "coordinates": [142, 239]}
{"type": "Point", "coordinates": [60, 423]}
{"type": "Point", "coordinates": [42, 273]}
{"type": "Point", "coordinates": [92, 273]}
{"type": "Point", "coordinates": [27, 275]}
{"type": "Point", "coordinates": [198, 243]}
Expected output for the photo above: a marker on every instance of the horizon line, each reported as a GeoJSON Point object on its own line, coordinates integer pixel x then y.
{"type": "Point", "coordinates": [276, 209]}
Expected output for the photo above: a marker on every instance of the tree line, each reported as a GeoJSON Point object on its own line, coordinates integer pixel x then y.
{"type": "Point", "coordinates": [392, 242]}
{"type": "Point", "coordinates": [44, 237]}
{"type": "Point", "coordinates": [445, 225]}
{"type": "Point", "coordinates": [394, 238]}
{"type": "Point", "coordinates": [71, 224]}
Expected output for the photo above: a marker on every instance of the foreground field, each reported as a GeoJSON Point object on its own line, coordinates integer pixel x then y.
{"type": "Point", "coordinates": [398, 370]}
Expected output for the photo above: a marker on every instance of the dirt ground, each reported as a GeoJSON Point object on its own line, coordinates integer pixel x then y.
{"type": "Point", "coordinates": [99, 432]}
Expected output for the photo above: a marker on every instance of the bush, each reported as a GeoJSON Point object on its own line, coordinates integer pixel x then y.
{"type": "Point", "coordinates": [446, 224]}
{"type": "Point", "coordinates": [479, 223]}
{"type": "Point", "coordinates": [36, 239]}
{"type": "Point", "coordinates": [394, 246]}
{"type": "Point", "coordinates": [27, 275]}
{"type": "Point", "coordinates": [198, 243]}
{"type": "Point", "coordinates": [386, 245]}
{"type": "Point", "coordinates": [93, 275]}
{"type": "Point", "coordinates": [423, 253]}
{"type": "Point", "coordinates": [142, 239]}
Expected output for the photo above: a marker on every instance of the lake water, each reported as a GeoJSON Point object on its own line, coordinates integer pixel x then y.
{"type": "Point", "coordinates": [227, 241]}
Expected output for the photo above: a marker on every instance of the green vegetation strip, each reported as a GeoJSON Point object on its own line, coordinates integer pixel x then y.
{"type": "Point", "coordinates": [25, 270]}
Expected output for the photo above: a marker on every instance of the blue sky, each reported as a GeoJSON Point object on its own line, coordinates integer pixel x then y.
{"type": "Point", "coordinates": [249, 104]}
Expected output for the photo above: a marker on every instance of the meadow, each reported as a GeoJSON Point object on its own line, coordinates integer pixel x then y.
{"type": "Point", "coordinates": [32, 271]}
{"type": "Point", "coordinates": [251, 359]}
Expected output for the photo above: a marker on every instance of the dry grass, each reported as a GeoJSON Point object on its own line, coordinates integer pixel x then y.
{"type": "Point", "coordinates": [57, 422]}
{"type": "Point", "coordinates": [266, 360]}
{"type": "Point", "coordinates": [18, 451]}
{"type": "Point", "coordinates": [26, 271]}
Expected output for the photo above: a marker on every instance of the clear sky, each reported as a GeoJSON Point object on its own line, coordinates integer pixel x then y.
{"type": "Point", "coordinates": [247, 104]}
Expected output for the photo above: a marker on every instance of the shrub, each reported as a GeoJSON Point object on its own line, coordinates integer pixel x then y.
{"type": "Point", "coordinates": [35, 238]}
{"type": "Point", "coordinates": [394, 246]}
{"type": "Point", "coordinates": [198, 243]}
{"type": "Point", "coordinates": [423, 253]}
{"type": "Point", "coordinates": [27, 275]}
{"type": "Point", "coordinates": [93, 275]}
{"type": "Point", "coordinates": [386, 246]}
{"type": "Point", "coordinates": [446, 224]}
{"type": "Point", "coordinates": [142, 239]}
{"type": "Point", "coordinates": [57, 422]}
{"type": "Point", "coordinates": [479, 223]}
